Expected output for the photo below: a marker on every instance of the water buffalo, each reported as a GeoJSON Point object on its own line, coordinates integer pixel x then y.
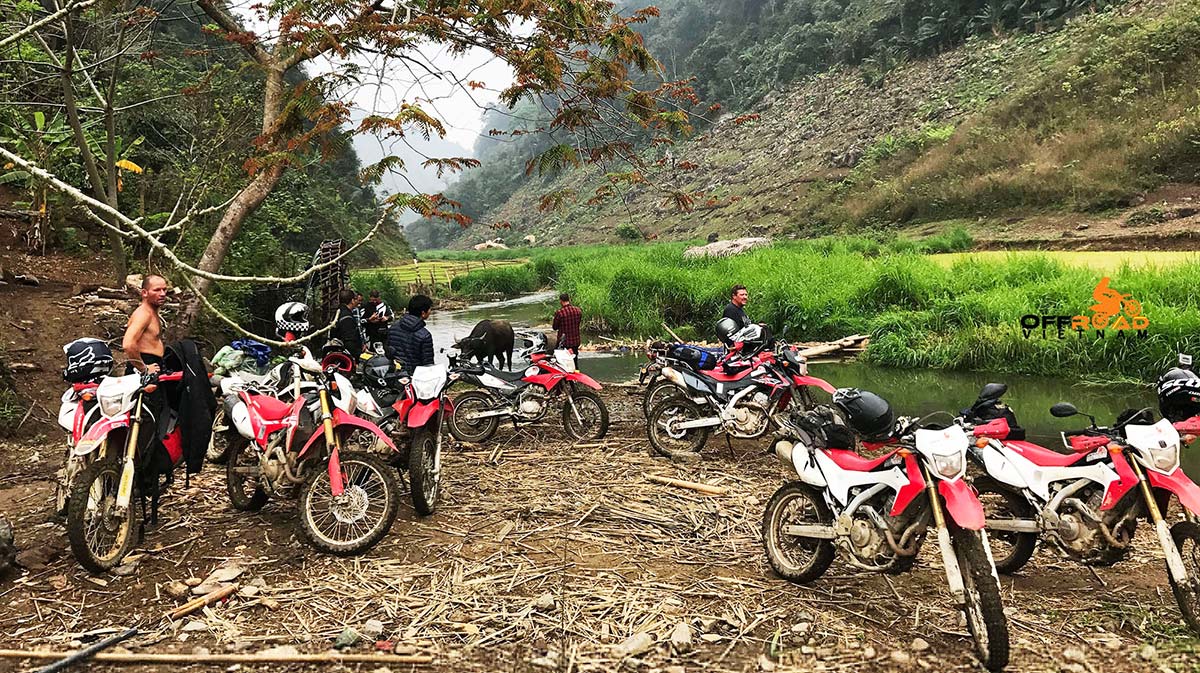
{"type": "Point", "coordinates": [489, 339]}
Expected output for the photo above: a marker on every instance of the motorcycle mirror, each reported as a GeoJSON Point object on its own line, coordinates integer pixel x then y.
{"type": "Point", "coordinates": [1185, 361]}
{"type": "Point", "coordinates": [1063, 410]}
{"type": "Point", "coordinates": [992, 392]}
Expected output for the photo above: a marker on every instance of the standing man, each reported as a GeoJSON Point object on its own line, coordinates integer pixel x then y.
{"type": "Point", "coordinates": [566, 322]}
{"type": "Point", "coordinates": [408, 340]}
{"type": "Point", "coordinates": [736, 308]}
{"type": "Point", "coordinates": [143, 344]}
{"type": "Point", "coordinates": [345, 323]}
{"type": "Point", "coordinates": [378, 315]}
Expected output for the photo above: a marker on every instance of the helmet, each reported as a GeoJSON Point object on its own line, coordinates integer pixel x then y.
{"type": "Point", "coordinates": [379, 372]}
{"type": "Point", "coordinates": [868, 414]}
{"type": "Point", "coordinates": [291, 318]}
{"type": "Point", "coordinates": [88, 359]}
{"type": "Point", "coordinates": [1179, 394]}
{"type": "Point", "coordinates": [756, 337]}
{"type": "Point", "coordinates": [725, 329]}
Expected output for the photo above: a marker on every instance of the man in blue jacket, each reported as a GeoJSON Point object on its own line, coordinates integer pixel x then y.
{"type": "Point", "coordinates": [408, 340]}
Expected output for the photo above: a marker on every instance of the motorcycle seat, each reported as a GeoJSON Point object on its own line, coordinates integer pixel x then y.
{"type": "Point", "coordinates": [719, 375]}
{"type": "Point", "coordinates": [511, 377]}
{"type": "Point", "coordinates": [269, 408]}
{"type": "Point", "coordinates": [849, 460]}
{"type": "Point", "coordinates": [1044, 457]}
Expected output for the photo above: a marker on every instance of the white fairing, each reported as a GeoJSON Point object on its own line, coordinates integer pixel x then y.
{"type": "Point", "coordinates": [841, 481]}
{"type": "Point", "coordinates": [365, 403]}
{"type": "Point", "coordinates": [242, 380]}
{"type": "Point", "coordinates": [240, 416]}
{"type": "Point", "coordinates": [565, 359]}
{"type": "Point", "coordinates": [494, 382]}
{"type": "Point", "coordinates": [1005, 462]}
{"type": "Point", "coordinates": [801, 459]}
{"type": "Point", "coordinates": [344, 397]}
{"type": "Point", "coordinates": [66, 412]}
{"type": "Point", "coordinates": [427, 382]}
{"type": "Point", "coordinates": [1157, 445]}
{"type": "Point", "coordinates": [116, 393]}
{"type": "Point", "coordinates": [947, 447]}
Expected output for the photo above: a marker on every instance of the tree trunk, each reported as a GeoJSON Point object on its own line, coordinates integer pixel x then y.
{"type": "Point", "coordinates": [245, 203]}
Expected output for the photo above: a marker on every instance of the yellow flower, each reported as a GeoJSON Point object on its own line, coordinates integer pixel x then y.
{"type": "Point", "coordinates": [128, 165]}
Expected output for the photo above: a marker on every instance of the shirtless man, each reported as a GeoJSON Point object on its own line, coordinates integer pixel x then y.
{"type": "Point", "coordinates": [143, 343]}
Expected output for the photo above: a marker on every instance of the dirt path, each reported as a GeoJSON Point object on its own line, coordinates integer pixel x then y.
{"type": "Point", "coordinates": [547, 556]}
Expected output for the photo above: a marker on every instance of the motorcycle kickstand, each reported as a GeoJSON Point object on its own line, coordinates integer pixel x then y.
{"type": "Point", "coordinates": [729, 445]}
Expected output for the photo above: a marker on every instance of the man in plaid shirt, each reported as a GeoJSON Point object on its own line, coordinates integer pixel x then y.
{"type": "Point", "coordinates": [566, 321]}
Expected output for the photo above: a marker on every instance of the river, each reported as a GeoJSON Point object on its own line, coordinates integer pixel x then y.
{"type": "Point", "coordinates": [912, 392]}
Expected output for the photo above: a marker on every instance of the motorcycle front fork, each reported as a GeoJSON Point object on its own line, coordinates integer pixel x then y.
{"type": "Point", "coordinates": [1175, 564]}
{"type": "Point", "coordinates": [954, 576]}
{"type": "Point", "coordinates": [125, 492]}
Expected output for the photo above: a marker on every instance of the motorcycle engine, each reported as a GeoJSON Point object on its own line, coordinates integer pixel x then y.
{"type": "Point", "coordinates": [1080, 529]}
{"type": "Point", "coordinates": [750, 418]}
{"type": "Point", "coordinates": [531, 403]}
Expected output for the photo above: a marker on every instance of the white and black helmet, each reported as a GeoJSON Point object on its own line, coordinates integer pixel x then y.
{"type": "Point", "coordinates": [291, 318]}
{"type": "Point", "coordinates": [88, 360]}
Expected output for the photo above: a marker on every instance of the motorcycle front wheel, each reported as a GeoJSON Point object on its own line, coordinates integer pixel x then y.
{"type": "Point", "coordinates": [1186, 536]}
{"type": "Point", "coordinates": [358, 519]}
{"type": "Point", "coordinates": [1011, 550]}
{"type": "Point", "coordinates": [666, 439]}
{"type": "Point", "coordinates": [467, 429]}
{"type": "Point", "coordinates": [585, 416]}
{"type": "Point", "coordinates": [422, 462]}
{"type": "Point", "coordinates": [983, 608]}
{"type": "Point", "coordinates": [99, 534]}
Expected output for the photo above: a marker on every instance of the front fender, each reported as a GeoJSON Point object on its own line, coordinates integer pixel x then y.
{"type": "Point", "coordinates": [814, 381]}
{"type": "Point", "coordinates": [421, 412]}
{"type": "Point", "coordinates": [1178, 483]}
{"type": "Point", "coordinates": [580, 377]}
{"type": "Point", "coordinates": [96, 434]}
{"type": "Point", "coordinates": [962, 503]}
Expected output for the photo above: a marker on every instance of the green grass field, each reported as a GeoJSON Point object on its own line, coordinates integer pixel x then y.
{"type": "Point", "coordinates": [442, 270]}
{"type": "Point", "coordinates": [1097, 261]}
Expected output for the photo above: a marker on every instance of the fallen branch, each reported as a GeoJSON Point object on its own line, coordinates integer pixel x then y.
{"type": "Point", "coordinates": [149, 658]}
{"type": "Point", "coordinates": [207, 599]}
{"type": "Point", "coordinates": [88, 652]}
{"type": "Point", "coordinates": [703, 488]}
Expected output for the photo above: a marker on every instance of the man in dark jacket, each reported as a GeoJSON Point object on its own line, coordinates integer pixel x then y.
{"type": "Point", "coordinates": [408, 340]}
{"type": "Point", "coordinates": [736, 308]}
{"type": "Point", "coordinates": [345, 323]}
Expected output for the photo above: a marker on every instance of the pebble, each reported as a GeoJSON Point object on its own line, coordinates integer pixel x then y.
{"type": "Point", "coordinates": [544, 662]}
{"type": "Point", "coordinates": [248, 591]}
{"type": "Point", "coordinates": [201, 651]}
{"type": "Point", "coordinates": [1074, 654]}
{"type": "Point", "coordinates": [372, 629]}
{"type": "Point", "coordinates": [195, 625]}
{"type": "Point", "coordinates": [901, 657]}
{"type": "Point", "coordinates": [176, 589]}
{"type": "Point", "coordinates": [869, 652]}
{"type": "Point", "coordinates": [269, 603]}
{"type": "Point", "coordinates": [635, 645]}
{"type": "Point", "coordinates": [545, 602]}
{"type": "Point", "coordinates": [710, 637]}
{"type": "Point", "coordinates": [193, 581]}
{"type": "Point", "coordinates": [207, 587]}
{"type": "Point", "coordinates": [765, 663]}
{"type": "Point", "coordinates": [224, 574]}
{"type": "Point", "coordinates": [75, 644]}
{"type": "Point", "coordinates": [1148, 652]}
{"type": "Point", "coordinates": [125, 570]}
{"type": "Point", "coordinates": [801, 628]}
{"type": "Point", "coordinates": [919, 645]}
{"type": "Point", "coordinates": [346, 638]}
{"type": "Point", "coordinates": [681, 638]}
{"type": "Point", "coordinates": [234, 668]}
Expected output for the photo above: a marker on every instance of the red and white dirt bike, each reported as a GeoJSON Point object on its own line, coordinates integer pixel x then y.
{"type": "Point", "coordinates": [1086, 503]}
{"type": "Point", "coordinates": [110, 429]}
{"type": "Point", "coordinates": [347, 500]}
{"type": "Point", "coordinates": [526, 396]}
{"type": "Point", "coordinates": [878, 511]}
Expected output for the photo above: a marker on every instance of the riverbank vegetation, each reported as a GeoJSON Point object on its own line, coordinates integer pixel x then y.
{"type": "Point", "coordinates": [920, 311]}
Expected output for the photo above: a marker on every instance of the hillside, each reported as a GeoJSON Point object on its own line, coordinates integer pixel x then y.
{"type": "Point", "coordinates": [1089, 131]}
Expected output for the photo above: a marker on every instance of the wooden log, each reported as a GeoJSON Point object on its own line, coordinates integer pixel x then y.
{"type": "Point", "coordinates": [694, 486]}
{"type": "Point", "coordinates": [223, 659]}
{"type": "Point", "coordinates": [207, 599]}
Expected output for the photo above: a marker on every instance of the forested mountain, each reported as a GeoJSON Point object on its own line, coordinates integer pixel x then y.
{"type": "Point", "coordinates": [839, 113]}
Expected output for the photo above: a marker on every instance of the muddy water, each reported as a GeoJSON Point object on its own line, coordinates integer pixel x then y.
{"type": "Point", "coordinates": [911, 392]}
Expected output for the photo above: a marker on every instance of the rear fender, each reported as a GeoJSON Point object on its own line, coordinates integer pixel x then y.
{"type": "Point", "coordinates": [962, 503]}
{"type": "Point", "coordinates": [580, 377]}
{"type": "Point", "coordinates": [813, 381]}
{"type": "Point", "coordinates": [95, 435]}
{"type": "Point", "coordinates": [422, 412]}
{"type": "Point", "coordinates": [1178, 483]}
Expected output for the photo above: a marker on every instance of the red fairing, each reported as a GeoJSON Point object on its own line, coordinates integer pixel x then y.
{"type": "Point", "coordinates": [813, 381]}
{"type": "Point", "coordinates": [403, 405]}
{"type": "Point", "coordinates": [174, 444]}
{"type": "Point", "coordinates": [962, 503]}
{"type": "Point", "coordinates": [1117, 489]}
{"type": "Point", "coordinates": [1043, 457]}
{"type": "Point", "coordinates": [1189, 425]}
{"type": "Point", "coordinates": [547, 380]}
{"type": "Point", "coordinates": [341, 418]}
{"type": "Point", "coordinates": [1086, 444]}
{"type": "Point", "coordinates": [422, 412]}
{"type": "Point", "coordinates": [584, 379]}
{"type": "Point", "coordinates": [1178, 483]}
{"type": "Point", "coordinates": [914, 487]}
{"type": "Point", "coordinates": [995, 429]}
{"type": "Point", "coordinates": [77, 423]}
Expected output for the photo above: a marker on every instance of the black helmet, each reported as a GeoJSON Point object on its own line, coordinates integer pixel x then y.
{"type": "Point", "coordinates": [291, 318]}
{"type": "Point", "coordinates": [88, 359]}
{"type": "Point", "coordinates": [868, 414]}
{"type": "Point", "coordinates": [1179, 394]}
{"type": "Point", "coordinates": [725, 329]}
{"type": "Point", "coordinates": [755, 337]}
{"type": "Point", "coordinates": [379, 372]}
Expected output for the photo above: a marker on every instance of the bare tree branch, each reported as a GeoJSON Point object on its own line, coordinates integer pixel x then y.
{"type": "Point", "coordinates": [218, 12]}
{"type": "Point", "coordinates": [70, 7]}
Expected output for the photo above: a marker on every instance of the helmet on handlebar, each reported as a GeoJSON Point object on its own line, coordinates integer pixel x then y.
{"type": "Point", "coordinates": [88, 359]}
{"type": "Point", "coordinates": [754, 337]}
{"type": "Point", "coordinates": [725, 329]}
{"type": "Point", "coordinates": [869, 415]}
{"type": "Point", "coordinates": [291, 318]}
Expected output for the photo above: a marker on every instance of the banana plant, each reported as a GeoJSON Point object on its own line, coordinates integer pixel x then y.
{"type": "Point", "coordinates": [50, 144]}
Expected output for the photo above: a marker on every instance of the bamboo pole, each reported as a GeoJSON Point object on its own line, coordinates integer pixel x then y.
{"type": "Point", "coordinates": [161, 658]}
{"type": "Point", "coordinates": [207, 599]}
{"type": "Point", "coordinates": [702, 488]}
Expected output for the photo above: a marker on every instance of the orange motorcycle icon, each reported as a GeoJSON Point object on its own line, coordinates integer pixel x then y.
{"type": "Point", "coordinates": [1110, 303]}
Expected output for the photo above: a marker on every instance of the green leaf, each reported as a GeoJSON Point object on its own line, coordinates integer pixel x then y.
{"type": "Point", "coordinates": [39, 120]}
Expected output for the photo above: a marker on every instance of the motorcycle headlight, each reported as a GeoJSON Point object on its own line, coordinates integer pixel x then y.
{"type": "Point", "coordinates": [111, 405]}
{"type": "Point", "coordinates": [1165, 458]}
{"type": "Point", "coordinates": [949, 466]}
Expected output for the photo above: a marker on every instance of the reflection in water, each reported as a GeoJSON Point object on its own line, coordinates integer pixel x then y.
{"type": "Point", "coordinates": [912, 392]}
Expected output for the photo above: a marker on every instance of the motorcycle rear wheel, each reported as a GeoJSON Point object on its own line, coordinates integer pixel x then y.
{"type": "Point", "coordinates": [592, 412]}
{"type": "Point", "coordinates": [426, 486]}
{"type": "Point", "coordinates": [674, 443]}
{"type": "Point", "coordinates": [246, 493]}
{"type": "Point", "coordinates": [1010, 549]}
{"type": "Point", "coordinates": [659, 390]}
{"type": "Point", "coordinates": [1186, 536]}
{"type": "Point", "coordinates": [984, 610]}
{"type": "Point", "coordinates": [361, 517]}
{"type": "Point", "coordinates": [219, 440]}
{"type": "Point", "coordinates": [100, 538]}
{"type": "Point", "coordinates": [467, 430]}
{"type": "Point", "coordinates": [793, 558]}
